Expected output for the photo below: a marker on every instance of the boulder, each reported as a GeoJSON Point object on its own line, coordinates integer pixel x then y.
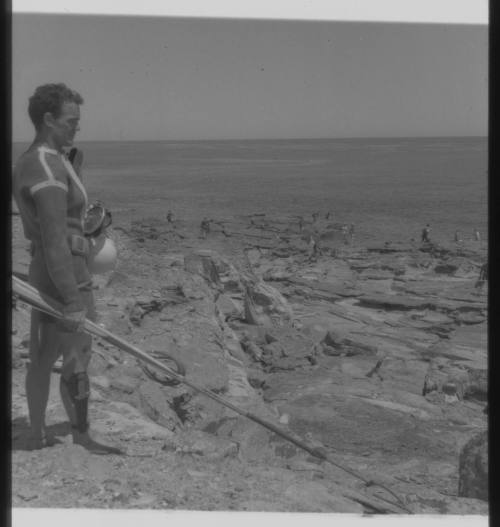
{"type": "Point", "coordinates": [202, 263]}
{"type": "Point", "coordinates": [272, 352]}
{"type": "Point", "coordinates": [152, 401]}
{"type": "Point", "coordinates": [455, 378]}
{"type": "Point", "coordinates": [441, 372]}
{"type": "Point", "coordinates": [256, 378]}
{"type": "Point", "coordinates": [335, 343]}
{"type": "Point", "coordinates": [270, 302]}
{"type": "Point", "coordinates": [252, 349]}
{"type": "Point", "coordinates": [228, 307]}
{"type": "Point", "coordinates": [218, 271]}
{"type": "Point", "coordinates": [473, 468]}
{"type": "Point", "coordinates": [477, 384]}
{"type": "Point", "coordinates": [252, 314]}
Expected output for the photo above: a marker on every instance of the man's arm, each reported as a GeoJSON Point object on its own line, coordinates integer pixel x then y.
{"type": "Point", "coordinates": [50, 203]}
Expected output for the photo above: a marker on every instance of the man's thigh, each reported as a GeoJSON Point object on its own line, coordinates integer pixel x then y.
{"type": "Point", "coordinates": [76, 350]}
{"type": "Point", "coordinates": [49, 341]}
{"type": "Point", "coordinates": [44, 347]}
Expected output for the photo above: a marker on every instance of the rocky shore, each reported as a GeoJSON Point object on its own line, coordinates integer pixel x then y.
{"type": "Point", "coordinates": [375, 352]}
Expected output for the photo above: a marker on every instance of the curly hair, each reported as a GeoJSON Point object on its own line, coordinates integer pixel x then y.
{"type": "Point", "coordinates": [50, 98]}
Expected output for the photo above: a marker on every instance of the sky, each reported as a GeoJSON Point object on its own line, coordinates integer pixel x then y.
{"type": "Point", "coordinates": [167, 78]}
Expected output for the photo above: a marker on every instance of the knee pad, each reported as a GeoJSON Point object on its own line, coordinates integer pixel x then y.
{"type": "Point", "coordinates": [78, 386]}
{"type": "Point", "coordinates": [79, 390]}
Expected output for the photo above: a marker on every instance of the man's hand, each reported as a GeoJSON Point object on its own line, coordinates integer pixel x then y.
{"type": "Point", "coordinates": [73, 321]}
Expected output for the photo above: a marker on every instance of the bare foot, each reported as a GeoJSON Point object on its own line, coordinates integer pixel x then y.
{"type": "Point", "coordinates": [94, 447]}
{"type": "Point", "coordinates": [38, 442]}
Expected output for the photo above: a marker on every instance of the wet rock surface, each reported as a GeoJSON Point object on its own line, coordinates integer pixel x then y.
{"type": "Point", "coordinates": [473, 469]}
{"type": "Point", "coordinates": [376, 354]}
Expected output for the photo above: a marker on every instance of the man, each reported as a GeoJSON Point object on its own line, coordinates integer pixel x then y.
{"type": "Point", "coordinates": [313, 249]}
{"type": "Point", "coordinates": [351, 232]}
{"type": "Point", "coordinates": [52, 202]}
{"type": "Point", "coordinates": [425, 234]}
{"type": "Point", "coordinates": [483, 273]}
{"type": "Point", "coordinates": [204, 228]}
{"type": "Point", "coordinates": [482, 278]}
{"type": "Point", "coordinates": [345, 233]}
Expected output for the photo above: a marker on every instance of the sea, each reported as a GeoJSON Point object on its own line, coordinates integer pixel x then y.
{"type": "Point", "coordinates": [389, 188]}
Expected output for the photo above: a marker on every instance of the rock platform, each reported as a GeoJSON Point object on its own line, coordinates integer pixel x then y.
{"type": "Point", "coordinates": [375, 353]}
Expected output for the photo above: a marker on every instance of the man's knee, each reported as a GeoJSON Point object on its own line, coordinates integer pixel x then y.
{"type": "Point", "coordinates": [78, 385]}
{"type": "Point", "coordinates": [76, 349]}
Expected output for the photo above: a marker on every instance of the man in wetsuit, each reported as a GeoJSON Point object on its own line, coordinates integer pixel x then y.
{"type": "Point", "coordinates": [204, 228]}
{"type": "Point", "coordinates": [345, 233]}
{"type": "Point", "coordinates": [313, 252]}
{"type": "Point", "coordinates": [425, 234]}
{"type": "Point", "coordinates": [351, 232]}
{"type": "Point", "coordinates": [52, 202]}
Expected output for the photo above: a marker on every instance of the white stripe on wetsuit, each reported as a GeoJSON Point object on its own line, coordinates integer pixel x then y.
{"type": "Point", "coordinates": [52, 181]}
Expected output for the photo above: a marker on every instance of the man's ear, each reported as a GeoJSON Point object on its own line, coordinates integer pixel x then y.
{"type": "Point", "coordinates": [48, 119]}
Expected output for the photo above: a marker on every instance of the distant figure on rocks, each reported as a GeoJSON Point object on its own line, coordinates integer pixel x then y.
{"type": "Point", "coordinates": [483, 273]}
{"type": "Point", "coordinates": [351, 232]}
{"type": "Point", "coordinates": [458, 237]}
{"type": "Point", "coordinates": [483, 276]}
{"type": "Point", "coordinates": [301, 223]}
{"type": "Point", "coordinates": [327, 215]}
{"type": "Point", "coordinates": [170, 216]}
{"type": "Point", "coordinates": [477, 235]}
{"type": "Point", "coordinates": [204, 228]}
{"type": "Point", "coordinates": [313, 249]}
{"type": "Point", "coordinates": [345, 233]}
{"type": "Point", "coordinates": [315, 216]}
{"type": "Point", "coordinates": [425, 233]}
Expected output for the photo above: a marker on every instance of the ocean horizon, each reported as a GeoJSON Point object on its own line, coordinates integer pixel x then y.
{"type": "Point", "coordinates": [388, 187]}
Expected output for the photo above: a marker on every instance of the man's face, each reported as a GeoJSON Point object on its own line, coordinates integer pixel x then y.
{"type": "Point", "coordinates": [65, 126]}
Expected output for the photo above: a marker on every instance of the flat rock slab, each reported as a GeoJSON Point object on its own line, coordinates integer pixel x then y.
{"type": "Point", "coordinates": [128, 423]}
{"type": "Point", "coordinates": [396, 302]}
